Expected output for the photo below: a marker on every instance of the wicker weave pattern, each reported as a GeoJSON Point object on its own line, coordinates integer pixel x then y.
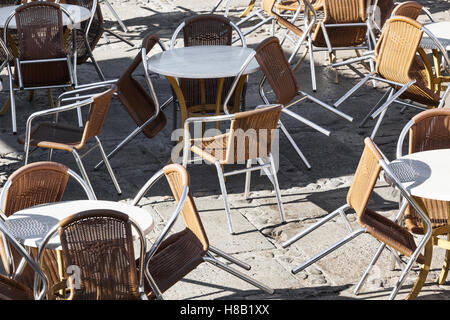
{"type": "Point", "coordinates": [276, 68]}
{"type": "Point", "coordinates": [40, 34]}
{"type": "Point", "coordinates": [396, 59]}
{"type": "Point", "coordinates": [431, 131]}
{"type": "Point", "coordinates": [342, 11]}
{"type": "Point", "coordinates": [292, 5]}
{"type": "Point", "coordinates": [100, 243]}
{"type": "Point", "coordinates": [13, 290]}
{"type": "Point", "coordinates": [34, 184]}
{"type": "Point", "coordinates": [410, 9]}
{"type": "Point", "coordinates": [136, 100]}
{"type": "Point", "coordinates": [206, 30]}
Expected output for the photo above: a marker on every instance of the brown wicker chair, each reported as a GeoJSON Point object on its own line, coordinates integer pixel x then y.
{"type": "Point", "coordinates": [99, 243]}
{"type": "Point", "coordinates": [41, 61]}
{"type": "Point", "coordinates": [143, 107]}
{"type": "Point", "coordinates": [30, 185]}
{"type": "Point", "coordinates": [399, 65]}
{"type": "Point", "coordinates": [200, 96]}
{"type": "Point", "coordinates": [429, 130]}
{"type": "Point", "coordinates": [410, 9]}
{"type": "Point", "coordinates": [249, 138]}
{"type": "Point", "coordinates": [282, 80]}
{"type": "Point", "coordinates": [10, 287]}
{"type": "Point", "coordinates": [388, 232]}
{"type": "Point", "coordinates": [173, 256]}
{"type": "Point", "coordinates": [64, 137]}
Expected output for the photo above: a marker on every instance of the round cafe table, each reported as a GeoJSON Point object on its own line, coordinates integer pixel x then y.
{"type": "Point", "coordinates": [426, 175]}
{"type": "Point", "coordinates": [30, 226]}
{"type": "Point", "coordinates": [202, 62]}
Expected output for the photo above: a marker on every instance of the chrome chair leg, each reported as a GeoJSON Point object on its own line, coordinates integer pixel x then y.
{"type": "Point", "coordinates": [224, 194]}
{"type": "Point", "coordinates": [277, 188]}
{"type": "Point", "coordinates": [229, 258]}
{"type": "Point", "coordinates": [369, 268]}
{"type": "Point", "coordinates": [248, 176]}
{"type": "Point", "coordinates": [82, 170]}
{"type": "Point", "coordinates": [294, 145]}
{"type": "Point", "coordinates": [237, 274]}
{"type": "Point", "coordinates": [108, 166]}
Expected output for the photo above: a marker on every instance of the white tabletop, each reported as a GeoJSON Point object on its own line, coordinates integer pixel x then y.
{"type": "Point", "coordinates": [202, 62]}
{"type": "Point", "coordinates": [425, 174]}
{"type": "Point", "coordinates": [441, 30]}
{"type": "Point", "coordinates": [29, 226]}
{"type": "Point", "coordinates": [77, 13]}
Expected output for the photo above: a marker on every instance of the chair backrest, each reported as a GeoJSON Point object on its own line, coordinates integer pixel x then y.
{"type": "Point", "coordinates": [40, 36]}
{"type": "Point", "coordinates": [397, 60]}
{"type": "Point", "coordinates": [410, 9]}
{"type": "Point", "coordinates": [178, 177]}
{"type": "Point", "coordinates": [365, 178]}
{"type": "Point", "coordinates": [251, 134]}
{"type": "Point", "coordinates": [94, 33]}
{"type": "Point", "coordinates": [97, 115]}
{"type": "Point", "coordinates": [31, 185]}
{"type": "Point", "coordinates": [430, 131]}
{"type": "Point", "coordinates": [342, 12]}
{"type": "Point", "coordinates": [136, 100]}
{"type": "Point", "coordinates": [277, 70]}
{"type": "Point", "coordinates": [207, 30]}
{"type": "Point", "coordinates": [99, 243]}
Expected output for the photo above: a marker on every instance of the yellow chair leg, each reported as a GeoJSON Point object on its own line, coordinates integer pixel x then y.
{"type": "Point", "coordinates": [423, 272]}
{"type": "Point", "coordinates": [444, 271]}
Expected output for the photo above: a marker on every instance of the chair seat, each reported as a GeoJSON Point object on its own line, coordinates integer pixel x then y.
{"type": "Point", "coordinates": [390, 233]}
{"type": "Point", "coordinates": [44, 135]}
{"type": "Point", "coordinates": [212, 149]}
{"type": "Point", "coordinates": [13, 290]}
{"type": "Point", "coordinates": [178, 255]}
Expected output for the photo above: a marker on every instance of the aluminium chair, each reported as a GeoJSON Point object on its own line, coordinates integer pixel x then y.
{"type": "Point", "coordinates": [249, 139]}
{"type": "Point", "coordinates": [100, 245]}
{"type": "Point", "coordinates": [142, 107]}
{"type": "Point", "coordinates": [41, 61]}
{"type": "Point", "coordinates": [54, 135]}
{"type": "Point", "coordinates": [34, 184]}
{"type": "Point", "coordinates": [391, 235]}
{"type": "Point", "coordinates": [399, 64]}
{"type": "Point", "coordinates": [284, 84]}
{"type": "Point", "coordinates": [428, 130]}
{"type": "Point", "coordinates": [173, 256]}
{"type": "Point", "coordinates": [10, 287]}
{"type": "Point", "coordinates": [202, 95]}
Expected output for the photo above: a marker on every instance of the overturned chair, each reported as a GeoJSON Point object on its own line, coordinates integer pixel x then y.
{"type": "Point", "coordinates": [173, 256]}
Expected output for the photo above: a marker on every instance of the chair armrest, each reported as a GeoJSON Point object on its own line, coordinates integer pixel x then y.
{"type": "Point", "coordinates": [84, 88]}
{"type": "Point", "coordinates": [439, 46]}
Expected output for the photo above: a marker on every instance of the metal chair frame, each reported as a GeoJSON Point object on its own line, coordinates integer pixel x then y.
{"type": "Point", "coordinates": [18, 63]}
{"type": "Point", "coordinates": [158, 107]}
{"type": "Point", "coordinates": [303, 95]}
{"type": "Point", "coordinates": [82, 101]}
{"type": "Point", "coordinates": [392, 95]}
{"type": "Point", "coordinates": [209, 255]}
{"type": "Point", "coordinates": [384, 163]}
{"type": "Point", "coordinates": [267, 166]}
{"type": "Point", "coordinates": [143, 250]}
{"type": "Point", "coordinates": [6, 234]}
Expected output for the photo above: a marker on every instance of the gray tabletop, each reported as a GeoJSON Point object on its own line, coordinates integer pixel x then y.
{"type": "Point", "coordinates": [202, 62]}
{"type": "Point", "coordinates": [77, 13]}
{"type": "Point", "coordinates": [441, 30]}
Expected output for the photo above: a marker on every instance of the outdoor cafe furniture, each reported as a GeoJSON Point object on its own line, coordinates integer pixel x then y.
{"type": "Point", "coordinates": [398, 65]}
{"type": "Point", "coordinates": [36, 227]}
{"type": "Point", "coordinates": [174, 255]}
{"type": "Point", "coordinates": [388, 232]}
{"type": "Point", "coordinates": [205, 96]}
{"type": "Point", "coordinates": [98, 252]}
{"type": "Point", "coordinates": [424, 170]}
{"type": "Point", "coordinates": [54, 135]}
{"type": "Point", "coordinates": [10, 287]}
{"type": "Point", "coordinates": [40, 60]}
{"type": "Point", "coordinates": [248, 140]}
{"type": "Point", "coordinates": [143, 107]}
{"type": "Point", "coordinates": [277, 71]}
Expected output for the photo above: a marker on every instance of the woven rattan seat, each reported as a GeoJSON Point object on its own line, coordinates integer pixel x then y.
{"type": "Point", "coordinates": [100, 244]}
{"type": "Point", "coordinates": [175, 255]}
{"type": "Point", "coordinates": [13, 290]}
